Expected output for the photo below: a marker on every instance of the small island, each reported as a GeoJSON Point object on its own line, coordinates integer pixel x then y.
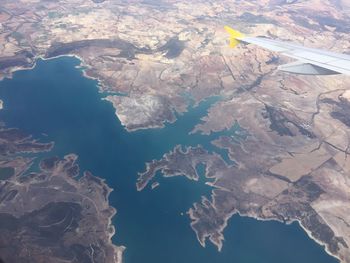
{"type": "Point", "coordinates": [154, 185]}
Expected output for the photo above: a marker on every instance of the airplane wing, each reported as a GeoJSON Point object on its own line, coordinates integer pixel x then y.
{"type": "Point", "coordinates": [310, 61]}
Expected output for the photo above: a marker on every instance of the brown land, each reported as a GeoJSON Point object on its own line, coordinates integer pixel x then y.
{"type": "Point", "coordinates": [292, 166]}
{"type": "Point", "coordinates": [51, 215]}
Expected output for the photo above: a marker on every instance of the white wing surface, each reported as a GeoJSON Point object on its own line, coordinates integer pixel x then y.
{"type": "Point", "coordinates": [310, 61]}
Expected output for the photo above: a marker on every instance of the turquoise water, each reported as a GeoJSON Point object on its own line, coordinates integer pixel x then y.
{"type": "Point", "coordinates": [55, 102]}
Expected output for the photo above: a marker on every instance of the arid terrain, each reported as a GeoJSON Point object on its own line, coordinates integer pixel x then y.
{"type": "Point", "coordinates": [291, 166]}
{"type": "Point", "coordinates": [51, 215]}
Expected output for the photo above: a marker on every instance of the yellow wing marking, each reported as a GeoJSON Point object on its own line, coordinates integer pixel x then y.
{"type": "Point", "coordinates": [234, 36]}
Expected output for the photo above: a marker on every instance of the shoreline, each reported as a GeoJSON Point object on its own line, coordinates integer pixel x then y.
{"type": "Point", "coordinates": [100, 87]}
{"type": "Point", "coordinates": [236, 212]}
{"type": "Point", "coordinates": [309, 233]}
{"type": "Point", "coordinates": [111, 229]}
{"type": "Point", "coordinates": [215, 235]}
{"type": "Point", "coordinates": [119, 250]}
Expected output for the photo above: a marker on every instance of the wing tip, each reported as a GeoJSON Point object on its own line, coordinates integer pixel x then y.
{"type": "Point", "coordinates": [235, 36]}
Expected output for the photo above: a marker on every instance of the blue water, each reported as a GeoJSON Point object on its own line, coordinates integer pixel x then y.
{"type": "Point", "coordinates": [55, 102]}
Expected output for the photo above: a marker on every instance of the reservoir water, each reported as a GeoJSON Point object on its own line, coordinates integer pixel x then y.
{"type": "Point", "coordinates": [55, 102]}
